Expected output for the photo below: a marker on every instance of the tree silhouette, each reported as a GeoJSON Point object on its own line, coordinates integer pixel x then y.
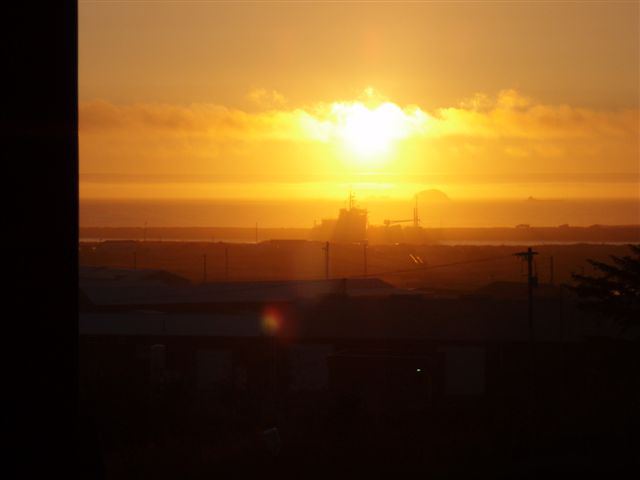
{"type": "Point", "coordinates": [615, 292]}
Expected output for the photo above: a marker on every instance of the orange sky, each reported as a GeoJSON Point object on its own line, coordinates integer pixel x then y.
{"type": "Point", "coordinates": [480, 100]}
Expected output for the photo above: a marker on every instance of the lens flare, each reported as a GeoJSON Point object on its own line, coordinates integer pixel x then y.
{"type": "Point", "coordinates": [271, 321]}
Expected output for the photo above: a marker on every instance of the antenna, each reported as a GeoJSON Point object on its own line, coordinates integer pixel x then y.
{"type": "Point", "coordinates": [416, 219]}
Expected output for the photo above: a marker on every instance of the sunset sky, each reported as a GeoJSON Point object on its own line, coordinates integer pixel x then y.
{"type": "Point", "coordinates": [283, 101]}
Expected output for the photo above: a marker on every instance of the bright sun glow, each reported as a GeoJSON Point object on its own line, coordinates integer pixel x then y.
{"type": "Point", "coordinates": [370, 131]}
{"type": "Point", "coordinates": [366, 129]}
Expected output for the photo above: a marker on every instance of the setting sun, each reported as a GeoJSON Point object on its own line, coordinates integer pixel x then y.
{"type": "Point", "coordinates": [370, 131]}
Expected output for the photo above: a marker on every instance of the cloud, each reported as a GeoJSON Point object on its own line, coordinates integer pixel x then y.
{"type": "Point", "coordinates": [266, 98]}
{"type": "Point", "coordinates": [511, 115]}
{"type": "Point", "coordinates": [213, 121]}
{"type": "Point", "coordinates": [321, 122]}
{"type": "Point", "coordinates": [493, 141]}
{"type": "Point", "coordinates": [508, 115]}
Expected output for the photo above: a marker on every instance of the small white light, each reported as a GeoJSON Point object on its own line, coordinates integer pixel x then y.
{"type": "Point", "coordinates": [418, 370]}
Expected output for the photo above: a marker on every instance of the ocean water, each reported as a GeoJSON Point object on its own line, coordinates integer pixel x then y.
{"type": "Point", "coordinates": [304, 213]}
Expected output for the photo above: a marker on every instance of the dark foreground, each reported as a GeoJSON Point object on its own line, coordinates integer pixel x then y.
{"type": "Point", "coordinates": [357, 388]}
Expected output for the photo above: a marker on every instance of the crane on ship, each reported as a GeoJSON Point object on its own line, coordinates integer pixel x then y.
{"type": "Point", "coordinates": [415, 219]}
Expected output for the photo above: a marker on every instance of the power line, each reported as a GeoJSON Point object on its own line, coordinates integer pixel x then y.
{"type": "Point", "coordinates": [353, 276]}
{"type": "Point", "coordinates": [276, 284]}
{"type": "Point", "coordinates": [429, 267]}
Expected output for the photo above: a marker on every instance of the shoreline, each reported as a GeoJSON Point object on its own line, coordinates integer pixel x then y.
{"type": "Point", "coordinates": [607, 234]}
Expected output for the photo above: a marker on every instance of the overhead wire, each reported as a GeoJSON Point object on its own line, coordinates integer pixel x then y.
{"type": "Point", "coordinates": [275, 283]}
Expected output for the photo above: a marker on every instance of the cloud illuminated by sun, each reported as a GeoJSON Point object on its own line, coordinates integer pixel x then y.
{"type": "Point", "coordinates": [361, 134]}
{"type": "Point", "coordinates": [368, 128]}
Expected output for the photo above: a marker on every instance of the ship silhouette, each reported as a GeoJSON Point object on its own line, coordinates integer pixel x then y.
{"type": "Point", "coordinates": [349, 227]}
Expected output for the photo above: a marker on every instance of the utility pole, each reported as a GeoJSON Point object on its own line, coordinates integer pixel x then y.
{"type": "Point", "coordinates": [532, 281]}
{"type": "Point", "coordinates": [273, 413]}
{"type": "Point", "coordinates": [226, 263]}
{"type": "Point", "coordinates": [204, 268]}
{"type": "Point", "coordinates": [326, 260]}
{"type": "Point", "coordinates": [364, 251]}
